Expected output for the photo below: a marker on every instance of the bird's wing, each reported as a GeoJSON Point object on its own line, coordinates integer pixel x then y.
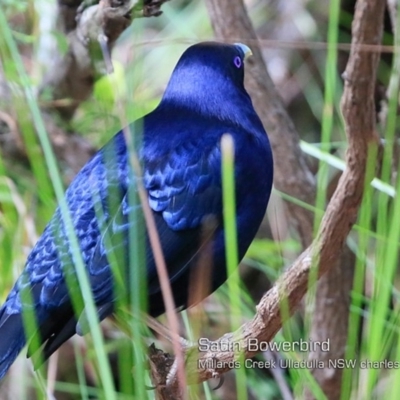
{"type": "Point", "coordinates": [51, 258]}
{"type": "Point", "coordinates": [183, 188]}
{"type": "Point", "coordinates": [45, 265]}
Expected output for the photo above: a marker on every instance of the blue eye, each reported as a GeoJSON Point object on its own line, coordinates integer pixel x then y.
{"type": "Point", "coordinates": [237, 61]}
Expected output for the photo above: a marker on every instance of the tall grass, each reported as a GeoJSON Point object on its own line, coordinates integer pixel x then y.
{"type": "Point", "coordinates": [27, 201]}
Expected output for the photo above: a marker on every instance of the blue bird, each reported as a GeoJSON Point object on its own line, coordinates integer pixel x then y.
{"type": "Point", "coordinates": [181, 157]}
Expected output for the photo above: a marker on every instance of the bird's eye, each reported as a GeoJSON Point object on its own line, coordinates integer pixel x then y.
{"type": "Point", "coordinates": [237, 61]}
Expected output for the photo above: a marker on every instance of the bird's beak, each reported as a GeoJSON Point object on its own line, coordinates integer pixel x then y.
{"type": "Point", "coordinates": [246, 50]}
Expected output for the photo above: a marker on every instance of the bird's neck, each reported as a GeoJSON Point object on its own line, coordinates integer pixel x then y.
{"type": "Point", "coordinates": [223, 102]}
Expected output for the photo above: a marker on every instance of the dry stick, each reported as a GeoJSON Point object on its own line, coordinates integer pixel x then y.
{"type": "Point", "coordinates": [180, 382]}
{"type": "Point", "coordinates": [358, 110]}
{"type": "Point", "coordinates": [279, 374]}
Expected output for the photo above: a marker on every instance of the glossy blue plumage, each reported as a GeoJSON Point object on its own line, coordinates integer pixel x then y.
{"type": "Point", "coordinates": [181, 155]}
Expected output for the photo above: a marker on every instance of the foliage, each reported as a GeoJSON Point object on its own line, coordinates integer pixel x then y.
{"type": "Point", "coordinates": [308, 78]}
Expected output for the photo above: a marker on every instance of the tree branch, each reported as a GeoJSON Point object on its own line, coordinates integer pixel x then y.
{"type": "Point", "coordinates": [90, 41]}
{"type": "Point", "coordinates": [230, 21]}
{"type": "Point", "coordinates": [91, 34]}
{"type": "Point", "coordinates": [331, 322]}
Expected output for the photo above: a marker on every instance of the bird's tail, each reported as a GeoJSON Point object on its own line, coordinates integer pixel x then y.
{"type": "Point", "coordinates": [12, 339]}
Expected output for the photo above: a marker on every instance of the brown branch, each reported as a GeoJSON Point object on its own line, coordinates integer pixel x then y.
{"type": "Point", "coordinates": [90, 40]}
{"type": "Point", "coordinates": [292, 175]}
{"type": "Point", "coordinates": [359, 112]}
{"type": "Point", "coordinates": [330, 322]}
{"type": "Point", "coordinates": [90, 33]}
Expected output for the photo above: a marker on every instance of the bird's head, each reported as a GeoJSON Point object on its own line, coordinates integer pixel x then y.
{"type": "Point", "coordinates": [209, 77]}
